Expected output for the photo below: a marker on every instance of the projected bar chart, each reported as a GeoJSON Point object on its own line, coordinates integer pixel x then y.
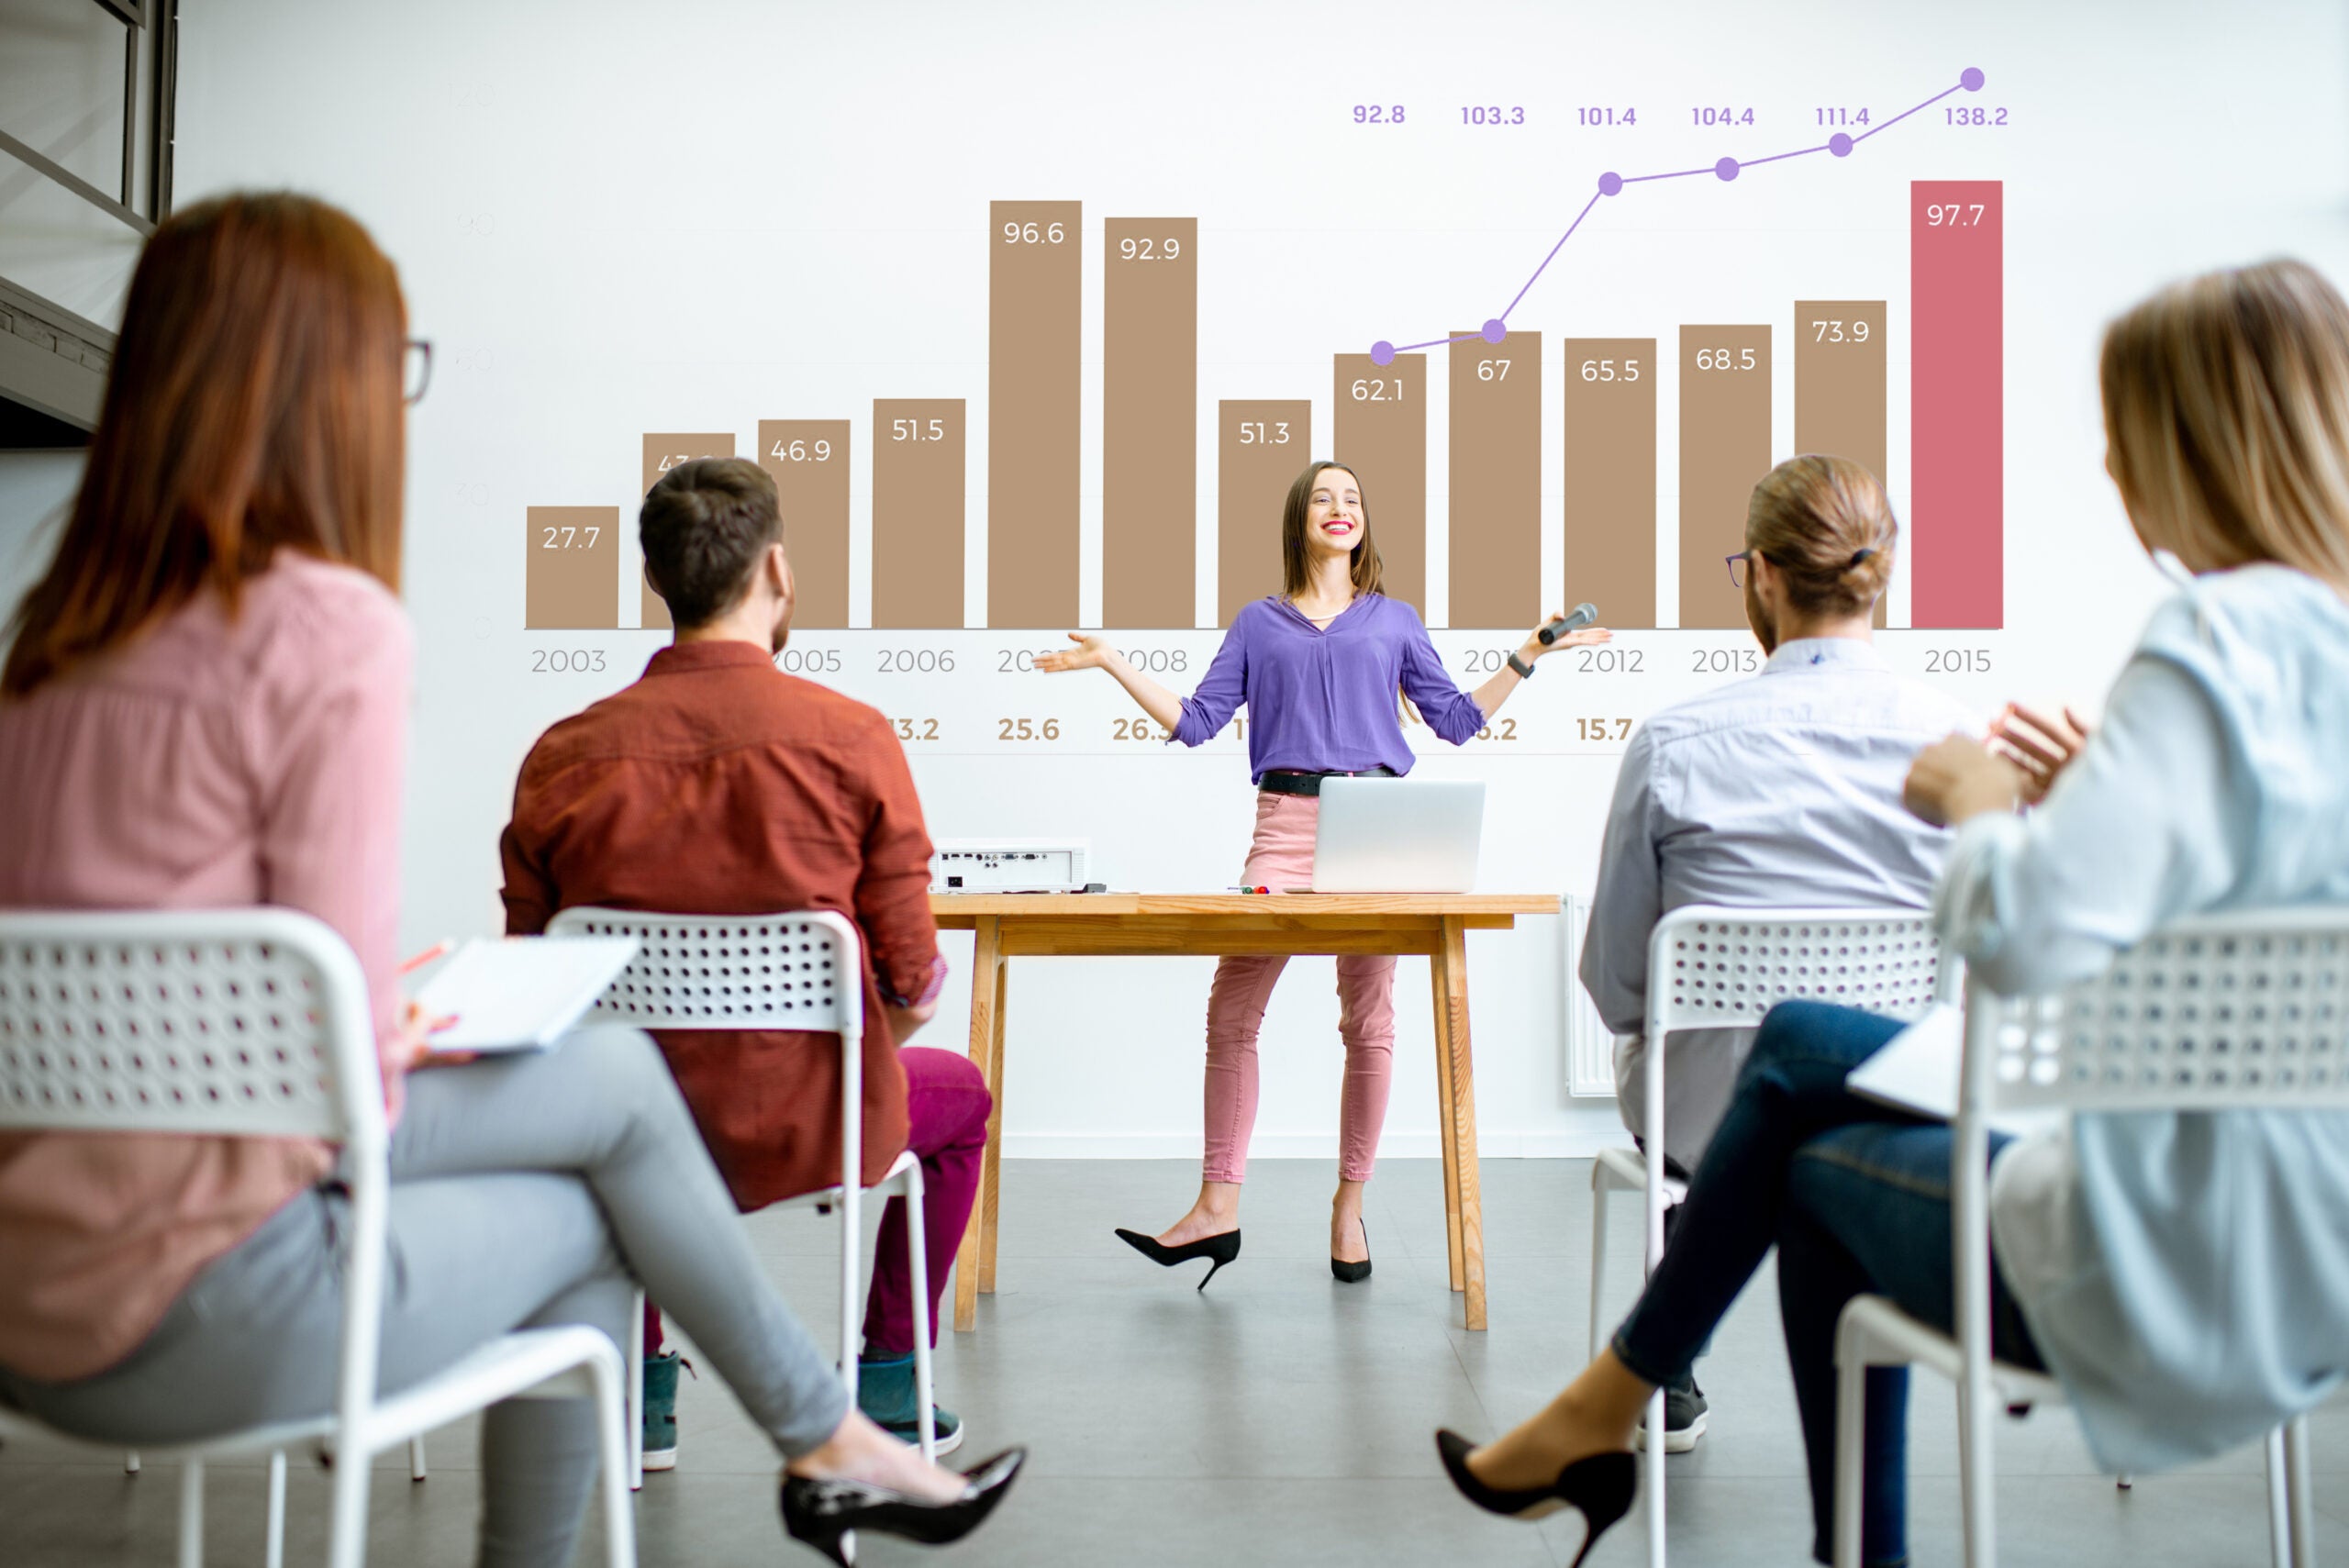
{"type": "Point", "coordinates": [1382, 429]}
{"type": "Point", "coordinates": [1150, 421]}
{"type": "Point", "coordinates": [662, 454]}
{"type": "Point", "coordinates": [1262, 444]}
{"type": "Point", "coordinates": [1695, 399]}
{"type": "Point", "coordinates": [1611, 451]}
{"type": "Point", "coordinates": [808, 461]}
{"type": "Point", "coordinates": [1034, 286]}
{"type": "Point", "coordinates": [1496, 556]}
{"type": "Point", "coordinates": [917, 490]}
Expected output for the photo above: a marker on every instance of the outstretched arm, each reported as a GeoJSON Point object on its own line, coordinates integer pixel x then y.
{"type": "Point", "coordinates": [1496, 691]}
{"type": "Point", "coordinates": [1094, 652]}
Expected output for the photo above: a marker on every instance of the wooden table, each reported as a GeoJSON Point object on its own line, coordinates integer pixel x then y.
{"type": "Point", "coordinates": [1126, 924]}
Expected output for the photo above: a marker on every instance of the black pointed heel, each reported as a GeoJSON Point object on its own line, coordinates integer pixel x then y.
{"type": "Point", "coordinates": [1222, 1248]}
{"type": "Point", "coordinates": [1353, 1274]}
{"type": "Point", "coordinates": [825, 1513]}
{"type": "Point", "coordinates": [1599, 1487]}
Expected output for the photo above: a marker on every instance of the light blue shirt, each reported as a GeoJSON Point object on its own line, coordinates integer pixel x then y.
{"type": "Point", "coordinates": [1782, 790]}
{"type": "Point", "coordinates": [2187, 1276]}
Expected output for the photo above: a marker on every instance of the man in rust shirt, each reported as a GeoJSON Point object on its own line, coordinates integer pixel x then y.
{"type": "Point", "coordinates": [717, 785]}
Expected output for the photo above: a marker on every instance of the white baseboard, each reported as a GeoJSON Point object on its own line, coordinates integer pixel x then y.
{"type": "Point", "coordinates": [1574, 1144]}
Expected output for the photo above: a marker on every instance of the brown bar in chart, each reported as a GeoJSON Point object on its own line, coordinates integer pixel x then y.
{"type": "Point", "coordinates": [662, 454]}
{"type": "Point", "coordinates": [1150, 422]}
{"type": "Point", "coordinates": [1261, 445]}
{"type": "Point", "coordinates": [571, 579]}
{"type": "Point", "coordinates": [1381, 435]}
{"type": "Point", "coordinates": [918, 492]}
{"type": "Point", "coordinates": [1496, 513]}
{"type": "Point", "coordinates": [807, 458]}
{"type": "Point", "coordinates": [1724, 450]}
{"type": "Point", "coordinates": [1611, 477]}
{"type": "Point", "coordinates": [1840, 372]}
{"type": "Point", "coordinates": [1035, 280]}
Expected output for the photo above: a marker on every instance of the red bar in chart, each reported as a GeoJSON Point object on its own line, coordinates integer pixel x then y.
{"type": "Point", "coordinates": [1958, 502]}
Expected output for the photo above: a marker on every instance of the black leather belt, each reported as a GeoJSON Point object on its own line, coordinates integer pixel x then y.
{"type": "Point", "coordinates": [1281, 781]}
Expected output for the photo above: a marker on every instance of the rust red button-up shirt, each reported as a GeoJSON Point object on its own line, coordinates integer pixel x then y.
{"type": "Point", "coordinates": [717, 785]}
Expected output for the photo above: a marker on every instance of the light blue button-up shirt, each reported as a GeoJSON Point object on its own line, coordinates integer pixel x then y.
{"type": "Point", "coordinates": [1782, 790]}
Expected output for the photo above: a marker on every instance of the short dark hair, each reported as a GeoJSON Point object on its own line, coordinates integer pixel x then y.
{"type": "Point", "coordinates": [704, 526]}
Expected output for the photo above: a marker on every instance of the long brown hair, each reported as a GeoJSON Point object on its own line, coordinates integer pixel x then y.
{"type": "Point", "coordinates": [1825, 523]}
{"type": "Point", "coordinates": [2226, 409]}
{"type": "Point", "coordinates": [1297, 573]}
{"type": "Point", "coordinates": [254, 404]}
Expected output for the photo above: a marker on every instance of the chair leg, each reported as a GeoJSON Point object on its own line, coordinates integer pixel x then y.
{"type": "Point", "coordinates": [192, 1514]}
{"type": "Point", "coordinates": [632, 1393]}
{"type": "Point", "coordinates": [851, 1245]}
{"type": "Point", "coordinates": [1851, 1434]}
{"type": "Point", "coordinates": [2125, 1482]}
{"type": "Point", "coordinates": [1598, 1195]}
{"type": "Point", "coordinates": [2298, 1491]}
{"type": "Point", "coordinates": [612, 1444]}
{"type": "Point", "coordinates": [347, 1534]}
{"type": "Point", "coordinates": [130, 1462]}
{"type": "Point", "coordinates": [918, 1247]}
{"type": "Point", "coordinates": [2280, 1503]}
{"type": "Point", "coordinates": [416, 1471]}
{"type": "Point", "coordinates": [273, 1554]}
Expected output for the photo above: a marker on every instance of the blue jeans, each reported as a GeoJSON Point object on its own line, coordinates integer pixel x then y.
{"type": "Point", "coordinates": [1856, 1196]}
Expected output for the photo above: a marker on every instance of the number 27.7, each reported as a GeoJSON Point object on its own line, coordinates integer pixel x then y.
{"type": "Point", "coordinates": [567, 535]}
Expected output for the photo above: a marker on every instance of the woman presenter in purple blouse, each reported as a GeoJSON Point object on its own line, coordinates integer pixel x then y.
{"type": "Point", "coordinates": [1319, 668]}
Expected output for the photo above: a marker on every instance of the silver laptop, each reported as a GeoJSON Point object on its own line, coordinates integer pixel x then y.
{"type": "Point", "coordinates": [1398, 836]}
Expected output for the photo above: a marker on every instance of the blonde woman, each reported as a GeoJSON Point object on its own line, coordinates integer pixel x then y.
{"type": "Point", "coordinates": [1319, 666]}
{"type": "Point", "coordinates": [2162, 1266]}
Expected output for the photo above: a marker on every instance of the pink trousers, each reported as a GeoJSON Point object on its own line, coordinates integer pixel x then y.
{"type": "Point", "coordinates": [1281, 857]}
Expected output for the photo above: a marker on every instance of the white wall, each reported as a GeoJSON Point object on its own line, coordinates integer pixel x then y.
{"type": "Point", "coordinates": [35, 489]}
{"type": "Point", "coordinates": [615, 218]}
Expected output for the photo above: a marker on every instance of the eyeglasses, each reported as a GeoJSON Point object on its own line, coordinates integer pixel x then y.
{"type": "Point", "coordinates": [416, 370]}
{"type": "Point", "coordinates": [1737, 578]}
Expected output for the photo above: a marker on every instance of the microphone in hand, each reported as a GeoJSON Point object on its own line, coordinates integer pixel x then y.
{"type": "Point", "coordinates": [1581, 616]}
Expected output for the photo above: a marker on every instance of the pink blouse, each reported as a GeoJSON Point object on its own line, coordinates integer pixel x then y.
{"type": "Point", "coordinates": [209, 763]}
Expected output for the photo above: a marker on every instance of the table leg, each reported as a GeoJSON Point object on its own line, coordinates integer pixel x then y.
{"type": "Point", "coordinates": [1443, 1114]}
{"type": "Point", "coordinates": [987, 958]}
{"type": "Point", "coordinates": [1463, 1131]}
{"type": "Point", "coordinates": [991, 1178]}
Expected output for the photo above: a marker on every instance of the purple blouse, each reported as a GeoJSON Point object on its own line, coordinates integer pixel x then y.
{"type": "Point", "coordinates": [1324, 701]}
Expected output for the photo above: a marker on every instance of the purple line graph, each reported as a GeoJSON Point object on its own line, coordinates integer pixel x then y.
{"type": "Point", "coordinates": [1383, 353]}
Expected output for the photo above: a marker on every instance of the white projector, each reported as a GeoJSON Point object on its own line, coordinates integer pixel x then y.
{"type": "Point", "coordinates": [1008, 865]}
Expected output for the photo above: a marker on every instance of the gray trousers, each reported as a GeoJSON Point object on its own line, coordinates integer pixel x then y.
{"type": "Point", "coordinates": [526, 1191]}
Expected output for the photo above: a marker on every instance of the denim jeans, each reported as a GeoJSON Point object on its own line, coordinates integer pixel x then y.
{"type": "Point", "coordinates": [1856, 1195]}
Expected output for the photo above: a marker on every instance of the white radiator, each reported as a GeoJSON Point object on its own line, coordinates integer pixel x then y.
{"type": "Point", "coordinates": [1590, 1049]}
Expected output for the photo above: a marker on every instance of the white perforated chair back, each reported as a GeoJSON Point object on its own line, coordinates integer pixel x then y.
{"type": "Point", "coordinates": [242, 1022]}
{"type": "Point", "coordinates": [801, 970]}
{"type": "Point", "coordinates": [2241, 1009]}
{"type": "Point", "coordinates": [1715, 967]}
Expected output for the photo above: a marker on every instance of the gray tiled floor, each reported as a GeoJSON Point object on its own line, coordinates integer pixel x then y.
{"type": "Point", "coordinates": [1278, 1419]}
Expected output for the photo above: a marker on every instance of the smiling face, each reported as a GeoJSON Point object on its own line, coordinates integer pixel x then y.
{"type": "Point", "coordinates": [1334, 521]}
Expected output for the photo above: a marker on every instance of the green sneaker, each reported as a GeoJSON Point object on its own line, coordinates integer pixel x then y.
{"type": "Point", "coordinates": [884, 1392]}
{"type": "Point", "coordinates": [661, 1411]}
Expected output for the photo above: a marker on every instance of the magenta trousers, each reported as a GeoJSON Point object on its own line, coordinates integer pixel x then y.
{"type": "Point", "coordinates": [1281, 857]}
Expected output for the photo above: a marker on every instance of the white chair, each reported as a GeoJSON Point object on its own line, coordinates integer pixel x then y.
{"type": "Point", "coordinates": [1711, 966]}
{"type": "Point", "coordinates": [800, 970]}
{"type": "Point", "coordinates": [254, 1023]}
{"type": "Point", "coordinates": [2218, 1012]}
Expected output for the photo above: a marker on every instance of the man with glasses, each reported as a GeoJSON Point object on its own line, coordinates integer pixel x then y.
{"type": "Point", "coordinates": [1780, 790]}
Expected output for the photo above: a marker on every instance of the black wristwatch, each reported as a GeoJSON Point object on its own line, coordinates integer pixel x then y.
{"type": "Point", "coordinates": [1524, 671]}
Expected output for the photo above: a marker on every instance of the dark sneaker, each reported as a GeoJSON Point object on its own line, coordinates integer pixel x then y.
{"type": "Point", "coordinates": [661, 1411]}
{"type": "Point", "coordinates": [884, 1392]}
{"type": "Point", "coordinates": [1684, 1418]}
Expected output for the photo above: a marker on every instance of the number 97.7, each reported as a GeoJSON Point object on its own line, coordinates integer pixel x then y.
{"type": "Point", "coordinates": [1378, 113]}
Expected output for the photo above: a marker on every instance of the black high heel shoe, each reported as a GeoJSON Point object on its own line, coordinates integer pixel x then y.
{"type": "Point", "coordinates": [1353, 1274]}
{"type": "Point", "coordinates": [823, 1513]}
{"type": "Point", "coordinates": [1599, 1487]}
{"type": "Point", "coordinates": [1223, 1247]}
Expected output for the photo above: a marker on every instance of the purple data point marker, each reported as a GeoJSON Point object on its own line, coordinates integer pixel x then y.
{"type": "Point", "coordinates": [1972, 80]}
{"type": "Point", "coordinates": [1611, 184]}
{"type": "Point", "coordinates": [1839, 145]}
{"type": "Point", "coordinates": [1382, 352]}
{"type": "Point", "coordinates": [1726, 168]}
{"type": "Point", "coordinates": [1495, 329]}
